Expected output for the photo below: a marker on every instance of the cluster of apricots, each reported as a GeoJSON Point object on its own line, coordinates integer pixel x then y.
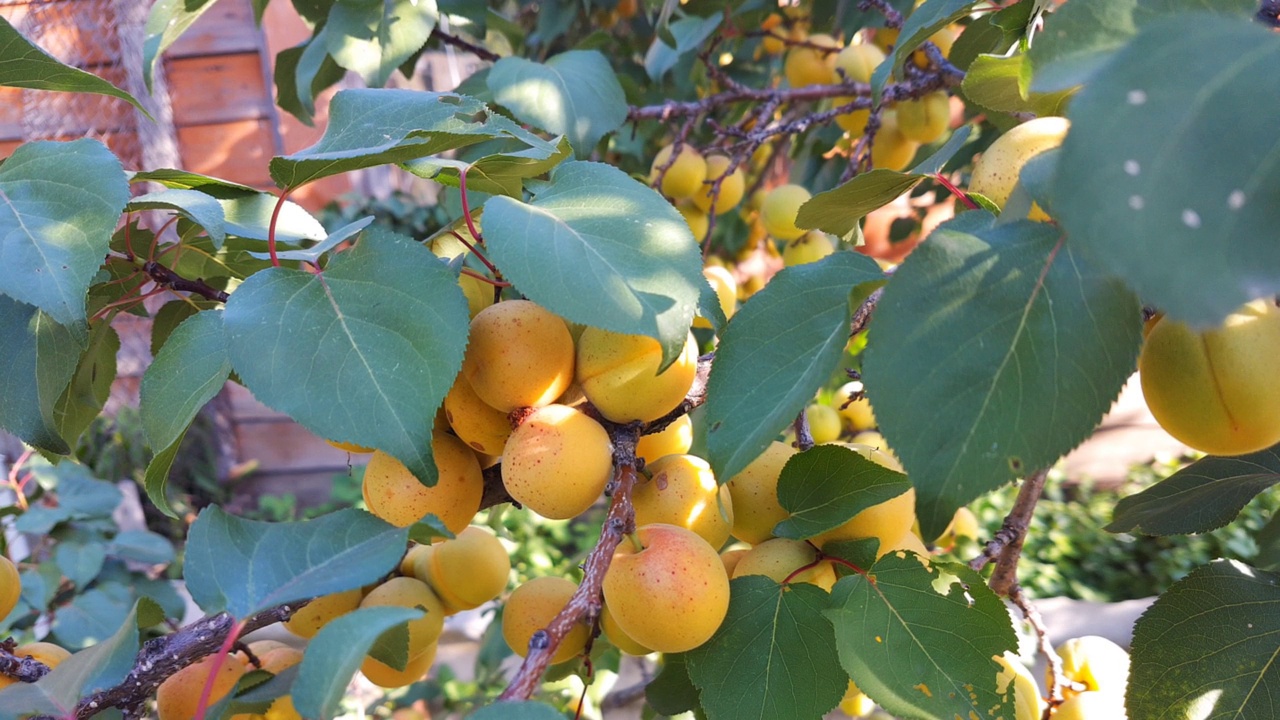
{"type": "Point", "coordinates": [49, 654]}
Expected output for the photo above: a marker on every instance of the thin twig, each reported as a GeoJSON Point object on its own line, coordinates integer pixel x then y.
{"type": "Point", "coordinates": [1057, 679]}
{"type": "Point", "coordinates": [1006, 545]}
{"type": "Point", "coordinates": [862, 316]}
{"type": "Point", "coordinates": [477, 50]}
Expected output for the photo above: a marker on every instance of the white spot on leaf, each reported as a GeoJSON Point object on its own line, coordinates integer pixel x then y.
{"type": "Point", "coordinates": [1132, 167]}
{"type": "Point", "coordinates": [1137, 97]}
{"type": "Point", "coordinates": [1191, 218]}
{"type": "Point", "coordinates": [1235, 200]}
{"type": "Point", "coordinates": [1136, 202]}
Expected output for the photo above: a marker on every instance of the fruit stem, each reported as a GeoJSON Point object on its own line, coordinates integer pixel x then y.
{"type": "Point", "coordinates": [960, 194]}
{"type": "Point", "coordinates": [845, 564]}
{"type": "Point", "coordinates": [271, 229]}
{"type": "Point", "coordinates": [635, 542]}
{"type": "Point", "coordinates": [466, 208]}
{"type": "Point", "coordinates": [808, 566]}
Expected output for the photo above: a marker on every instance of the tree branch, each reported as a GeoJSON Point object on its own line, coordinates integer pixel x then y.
{"type": "Point", "coordinates": [450, 39]}
{"type": "Point", "coordinates": [165, 277]}
{"type": "Point", "coordinates": [1057, 679]}
{"type": "Point", "coordinates": [1006, 545]}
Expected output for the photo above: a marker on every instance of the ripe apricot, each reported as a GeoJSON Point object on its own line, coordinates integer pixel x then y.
{"type": "Point", "coordinates": [888, 521]}
{"type": "Point", "coordinates": [824, 423]}
{"type": "Point", "coordinates": [810, 247]}
{"type": "Point", "coordinates": [779, 557]}
{"type": "Point", "coordinates": [855, 63]}
{"type": "Point", "coordinates": [731, 188]}
{"type": "Point", "coordinates": [10, 586]}
{"type": "Point", "coordinates": [684, 177]}
{"type": "Point", "coordinates": [1027, 703]}
{"type": "Point", "coordinates": [674, 439]}
{"type": "Point", "coordinates": [880, 451]}
{"type": "Point", "coordinates": [854, 703]}
{"type": "Point", "coordinates": [179, 695]}
{"type": "Point", "coordinates": [519, 355]}
{"type": "Point", "coordinates": [963, 524]}
{"type": "Point", "coordinates": [319, 612]}
{"type": "Point", "coordinates": [1095, 662]}
{"type": "Point", "coordinates": [682, 491]}
{"type": "Point", "coordinates": [926, 119]}
{"type": "Point", "coordinates": [858, 413]}
{"type": "Point", "coordinates": [478, 424]}
{"type": "Point", "coordinates": [620, 640]}
{"type": "Point", "coordinates": [385, 676]}
{"type": "Point", "coordinates": [726, 289]}
{"type": "Point", "coordinates": [531, 607]}
{"type": "Point", "coordinates": [779, 209]}
{"type": "Point", "coordinates": [667, 589]}
{"type": "Point", "coordinates": [890, 149]}
{"type": "Point", "coordinates": [733, 555]}
{"type": "Point", "coordinates": [811, 65]}
{"type": "Point", "coordinates": [275, 658]}
{"type": "Point", "coordinates": [479, 293]}
{"type": "Point", "coordinates": [1217, 390]}
{"type": "Point", "coordinates": [755, 495]}
{"type": "Point", "coordinates": [411, 593]}
{"type": "Point", "coordinates": [468, 571]}
{"type": "Point", "coordinates": [773, 43]}
{"type": "Point", "coordinates": [394, 494]}
{"type": "Point", "coordinates": [695, 218]}
{"type": "Point", "coordinates": [619, 375]}
{"type": "Point", "coordinates": [996, 172]}
{"type": "Point", "coordinates": [557, 462]}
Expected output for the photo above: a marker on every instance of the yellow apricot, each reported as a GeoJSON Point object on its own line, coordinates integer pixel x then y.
{"type": "Point", "coordinates": [695, 218]}
{"type": "Point", "coordinates": [733, 555]}
{"type": "Point", "coordinates": [620, 640]}
{"type": "Point", "coordinates": [857, 414]}
{"type": "Point", "coordinates": [682, 491]}
{"type": "Point", "coordinates": [854, 703]}
{"type": "Point", "coordinates": [179, 695]}
{"type": "Point", "coordinates": [411, 593]}
{"type": "Point", "coordinates": [773, 44]}
{"type": "Point", "coordinates": [479, 293]}
{"type": "Point", "coordinates": [385, 676]}
{"type": "Point", "coordinates": [890, 149]}
{"type": "Point", "coordinates": [468, 571]}
{"type": "Point", "coordinates": [557, 462]}
{"type": "Point", "coordinates": [856, 63]}
{"type": "Point", "coordinates": [944, 39]}
{"type": "Point", "coordinates": [926, 119]}
{"type": "Point", "coordinates": [811, 65]}
{"type": "Point", "coordinates": [1027, 703]}
{"type": "Point", "coordinates": [888, 521]}
{"type": "Point", "coordinates": [885, 38]}
{"type": "Point", "coordinates": [963, 524]}
{"type": "Point", "coordinates": [319, 612]}
{"type": "Point", "coordinates": [415, 551]}
{"type": "Point", "coordinates": [478, 424]}
{"type": "Point", "coordinates": [726, 289]}
{"type": "Point", "coordinates": [619, 375]}
{"type": "Point", "coordinates": [519, 355]}
{"type": "Point", "coordinates": [907, 541]}
{"type": "Point", "coordinates": [667, 588]}
{"type": "Point", "coordinates": [349, 447]}
{"type": "Point", "coordinates": [824, 423]}
{"type": "Point", "coordinates": [996, 172]}
{"type": "Point", "coordinates": [810, 247]}
{"type": "Point", "coordinates": [779, 557]}
{"type": "Point", "coordinates": [674, 439]}
{"type": "Point", "coordinates": [1217, 390]}
{"type": "Point", "coordinates": [395, 495]}
{"type": "Point", "coordinates": [731, 188]}
{"type": "Point", "coordinates": [779, 209]}
{"type": "Point", "coordinates": [684, 177]}
{"type": "Point", "coordinates": [275, 658]}
{"type": "Point", "coordinates": [1092, 705]}
{"type": "Point", "coordinates": [1095, 662]}
{"type": "Point", "coordinates": [881, 452]}
{"type": "Point", "coordinates": [755, 495]}
{"type": "Point", "coordinates": [531, 607]}
{"type": "Point", "coordinates": [10, 586]}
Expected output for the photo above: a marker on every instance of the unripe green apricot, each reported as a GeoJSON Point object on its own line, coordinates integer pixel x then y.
{"type": "Point", "coordinates": [671, 592]}
{"type": "Point", "coordinates": [483, 428]}
{"type": "Point", "coordinates": [557, 462]}
{"type": "Point", "coordinates": [411, 593]}
{"type": "Point", "coordinates": [394, 494]}
{"type": "Point", "coordinates": [385, 676]}
{"type": "Point", "coordinates": [779, 209]}
{"type": "Point", "coordinates": [684, 178]}
{"type": "Point", "coordinates": [755, 495]}
{"type": "Point", "coordinates": [810, 247]}
{"type": "Point", "coordinates": [179, 695]}
{"type": "Point", "coordinates": [778, 558]}
{"type": "Point", "coordinates": [926, 119]}
{"type": "Point", "coordinates": [619, 375]}
{"type": "Point", "coordinates": [531, 607]}
{"type": "Point", "coordinates": [319, 612]}
{"type": "Point", "coordinates": [468, 571]}
{"type": "Point", "coordinates": [682, 491]}
{"type": "Point", "coordinates": [519, 355]}
{"type": "Point", "coordinates": [674, 439]}
{"type": "Point", "coordinates": [996, 172]}
{"type": "Point", "coordinates": [1217, 390]}
{"type": "Point", "coordinates": [10, 586]}
{"type": "Point", "coordinates": [731, 188]}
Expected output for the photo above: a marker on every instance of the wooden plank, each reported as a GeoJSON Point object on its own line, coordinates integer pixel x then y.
{"type": "Point", "coordinates": [65, 30]}
{"type": "Point", "coordinates": [217, 89]}
{"type": "Point", "coordinates": [227, 27]}
{"type": "Point", "coordinates": [236, 151]}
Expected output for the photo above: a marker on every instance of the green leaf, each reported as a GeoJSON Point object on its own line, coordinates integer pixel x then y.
{"type": "Point", "coordinates": [838, 210]}
{"type": "Point", "coordinates": [28, 66]}
{"type": "Point", "coordinates": [1206, 649]}
{"type": "Point", "coordinates": [141, 546]}
{"type": "Point", "coordinates": [80, 559]}
{"type": "Point", "coordinates": [1203, 496]}
{"type": "Point", "coordinates": [59, 204]}
{"type": "Point", "coordinates": [780, 347]}
{"type": "Point", "coordinates": [90, 386]}
{"type": "Point", "coordinates": [79, 492]}
{"type": "Point", "coordinates": [825, 486]}
{"type": "Point", "coordinates": [521, 710]}
{"type": "Point", "coordinates": [186, 180]}
{"type": "Point", "coordinates": [156, 478]}
{"type": "Point", "coordinates": [499, 173]}
{"type": "Point", "coordinates": [203, 210]}
{"type": "Point", "coordinates": [369, 127]}
{"type": "Point", "coordinates": [302, 73]}
{"type": "Point", "coordinates": [1268, 539]}
{"type": "Point", "coordinates": [166, 22]}
{"type": "Point", "coordinates": [920, 640]}
{"type": "Point", "coordinates": [89, 617]}
{"type": "Point", "coordinates": [688, 34]}
{"type": "Point", "coordinates": [1081, 38]}
{"type": "Point", "coordinates": [602, 249]}
{"type": "Point", "coordinates": [40, 361]}
{"type": "Point", "coordinates": [102, 666]}
{"type": "Point", "coordinates": [374, 37]}
{"type": "Point", "coordinates": [671, 692]}
{"type": "Point", "coordinates": [249, 217]}
{"type": "Point", "coordinates": [244, 566]}
{"type": "Point", "coordinates": [574, 94]}
{"type": "Point", "coordinates": [1195, 244]}
{"type": "Point", "coordinates": [1000, 83]}
{"type": "Point", "coordinates": [383, 329]}
{"type": "Point", "coordinates": [773, 657]}
{"type": "Point", "coordinates": [336, 652]}
{"type": "Point", "coordinates": [926, 20]}
{"type": "Point", "coordinates": [994, 351]}
{"type": "Point", "coordinates": [313, 253]}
